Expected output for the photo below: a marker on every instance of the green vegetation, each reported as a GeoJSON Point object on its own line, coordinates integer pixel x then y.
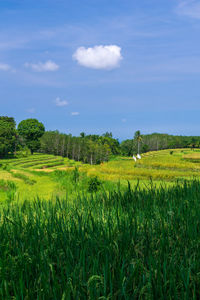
{"type": "Point", "coordinates": [7, 136]}
{"type": "Point", "coordinates": [75, 231]}
{"type": "Point", "coordinates": [138, 140]}
{"type": "Point", "coordinates": [7, 188]}
{"type": "Point", "coordinates": [94, 184]}
{"type": "Point", "coordinates": [70, 228]}
{"type": "Point", "coordinates": [136, 244]}
{"type": "Point", "coordinates": [157, 141]}
{"type": "Point", "coordinates": [92, 149]}
{"type": "Point", "coordinates": [34, 174]}
{"type": "Point", "coordinates": [31, 130]}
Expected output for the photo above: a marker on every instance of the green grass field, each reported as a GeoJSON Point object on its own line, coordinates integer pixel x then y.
{"type": "Point", "coordinates": [136, 237]}
{"type": "Point", "coordinates": [131, 244]}
{"type": "Point", "coordinates": [33, 175]}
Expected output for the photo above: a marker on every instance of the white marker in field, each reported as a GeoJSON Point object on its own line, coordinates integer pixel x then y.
{"type": "Point", "coordinates": [139, 156]}
{"type": "Point", "coordinates": [134, 158]}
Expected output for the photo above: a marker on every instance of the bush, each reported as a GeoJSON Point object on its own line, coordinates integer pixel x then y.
{"type": "Point", "coordinates": [5, 167]}
{"type": "Point", "coordinates": [94, 184]}
{"type": "Point", "coordinates": [23, 152]}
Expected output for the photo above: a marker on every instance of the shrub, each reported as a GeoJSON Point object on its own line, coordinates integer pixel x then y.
{"type": "Point", "coordinates": [94, 184]}
{"type": "Point", "coordinates": [23, 152]}
{"type": "Point", "coordinates": [5, 167]}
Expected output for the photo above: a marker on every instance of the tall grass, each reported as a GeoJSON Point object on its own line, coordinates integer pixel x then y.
{"type": "Point", "coordinates": [132, 244]}
{"type": "Point", "coordinates": [9, 187]}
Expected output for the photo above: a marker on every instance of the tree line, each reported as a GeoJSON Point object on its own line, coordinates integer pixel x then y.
{"type": "Point", "coordinates": [31, 134]}
{"type": "Point", "coordinates": [93, 149]}
{"type": "Point", "coordinates": [157, 141]}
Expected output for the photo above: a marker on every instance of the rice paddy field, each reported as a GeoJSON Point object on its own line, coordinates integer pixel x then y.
{"type": "Point", "coordinates": [135, 237]}
{"type": "Point", "coordinates": [36, 175]}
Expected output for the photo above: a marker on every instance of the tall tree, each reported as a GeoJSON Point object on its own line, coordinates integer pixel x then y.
{"type": "Point", "coordinates": [82, 134]}
{"type": "Point", "coordinates": [31, 130]}
{"type": "Point", "coordinates": [138, 138]}
{"type": "Point", "coordinates": [91, 149]}
{"type": "Point", "coordinates": [7, 135]}
{"type": "Point", "coordinates": [108, 134]}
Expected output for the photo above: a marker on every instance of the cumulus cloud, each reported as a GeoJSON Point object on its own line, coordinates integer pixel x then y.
{"type": "Point", "coordinates": [189, 8]}
{"type": "Point", "coordinates": [99, 57]}
{"type": "Point", "coordinates": [60, 102]}
{"type": "Point", "coordinates": [43, 67]}
{"type": "Point", "coordinates": [5, 67]}
{"type": "Point", "coordinates": [75, 113]}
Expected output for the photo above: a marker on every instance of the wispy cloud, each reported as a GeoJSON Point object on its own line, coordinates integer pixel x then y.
{"type": "Point", "coordinates": [5, 67]}
{"type": "Point", "coordinates": [60, 102]}
{"type": "Point", "coordinates": [31, 110]}
{"type": "Point", "coordinates": [43, 67]}
{"type": "Point", "coordinates": [189, 8]}
{"type": "Point", "coordinates": [75, 113]}
{"type": "Point", "coordinates": [99, 57]}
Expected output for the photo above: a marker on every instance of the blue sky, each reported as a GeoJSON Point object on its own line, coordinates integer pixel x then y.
{"type": "Point", "coordinates": [102, 65]}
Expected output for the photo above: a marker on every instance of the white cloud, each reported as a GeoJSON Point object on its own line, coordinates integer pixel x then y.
{"type": "Point", "coordinates": [189, 8]}
{"type": "Point", "coordinates": [60, 102]}
{"type": "Point", "coordinates": [99, 57]}
{"type": "Point", "coordinates": [75, 113]}
{"type": "Point", "coordinates": [124, 120]}
{"type": "Point", "coordinates": [43, 67]}
{"type": "Point", "coordinates": [31, 110]}
{"type": "Point", "coordinates": [5, 67]}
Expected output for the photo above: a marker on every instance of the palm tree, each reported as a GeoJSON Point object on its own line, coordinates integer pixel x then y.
{"type": "Point", "coordinates": [82, 134]}
{"type": "Point", "coordinates": [138, 138]}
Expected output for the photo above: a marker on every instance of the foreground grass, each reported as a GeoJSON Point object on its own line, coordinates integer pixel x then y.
{"type": "Point", "coordinates": [135, 244]}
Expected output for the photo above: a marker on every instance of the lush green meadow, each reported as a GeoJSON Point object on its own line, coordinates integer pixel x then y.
{"type": "Point", "coordinates": [136, 240]}
{"type": "Point", "coordinates": [36, 175]}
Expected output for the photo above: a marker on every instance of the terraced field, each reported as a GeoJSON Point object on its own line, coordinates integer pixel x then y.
{"type": "Point", "coordinates": [116, 243]}
{"type": "Point", "coordinates": [163, 165]}
{"type": "Point", "coordinates": [34, 175]}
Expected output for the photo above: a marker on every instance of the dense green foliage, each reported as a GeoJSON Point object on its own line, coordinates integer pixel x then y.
{"type": "Point", "coordinates": [31, 130]}
{"type": "Point", "coordinates": [7, 136]}
{"type": "Point", "coordinates": [94, 184]}
{"type": "Point", "coordinates": [158, 141]}
{"type": "Point", "coordinates": [91, 149]}
{"type": "Point", "coordinates": [137, 244]}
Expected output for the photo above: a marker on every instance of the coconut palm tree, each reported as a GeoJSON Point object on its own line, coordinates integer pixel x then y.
{"type": "Point", "coordinates": [138, 138]}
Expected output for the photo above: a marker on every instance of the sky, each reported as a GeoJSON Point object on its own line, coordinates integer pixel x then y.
{"type": "Point", "coordinates": [102, 65]}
